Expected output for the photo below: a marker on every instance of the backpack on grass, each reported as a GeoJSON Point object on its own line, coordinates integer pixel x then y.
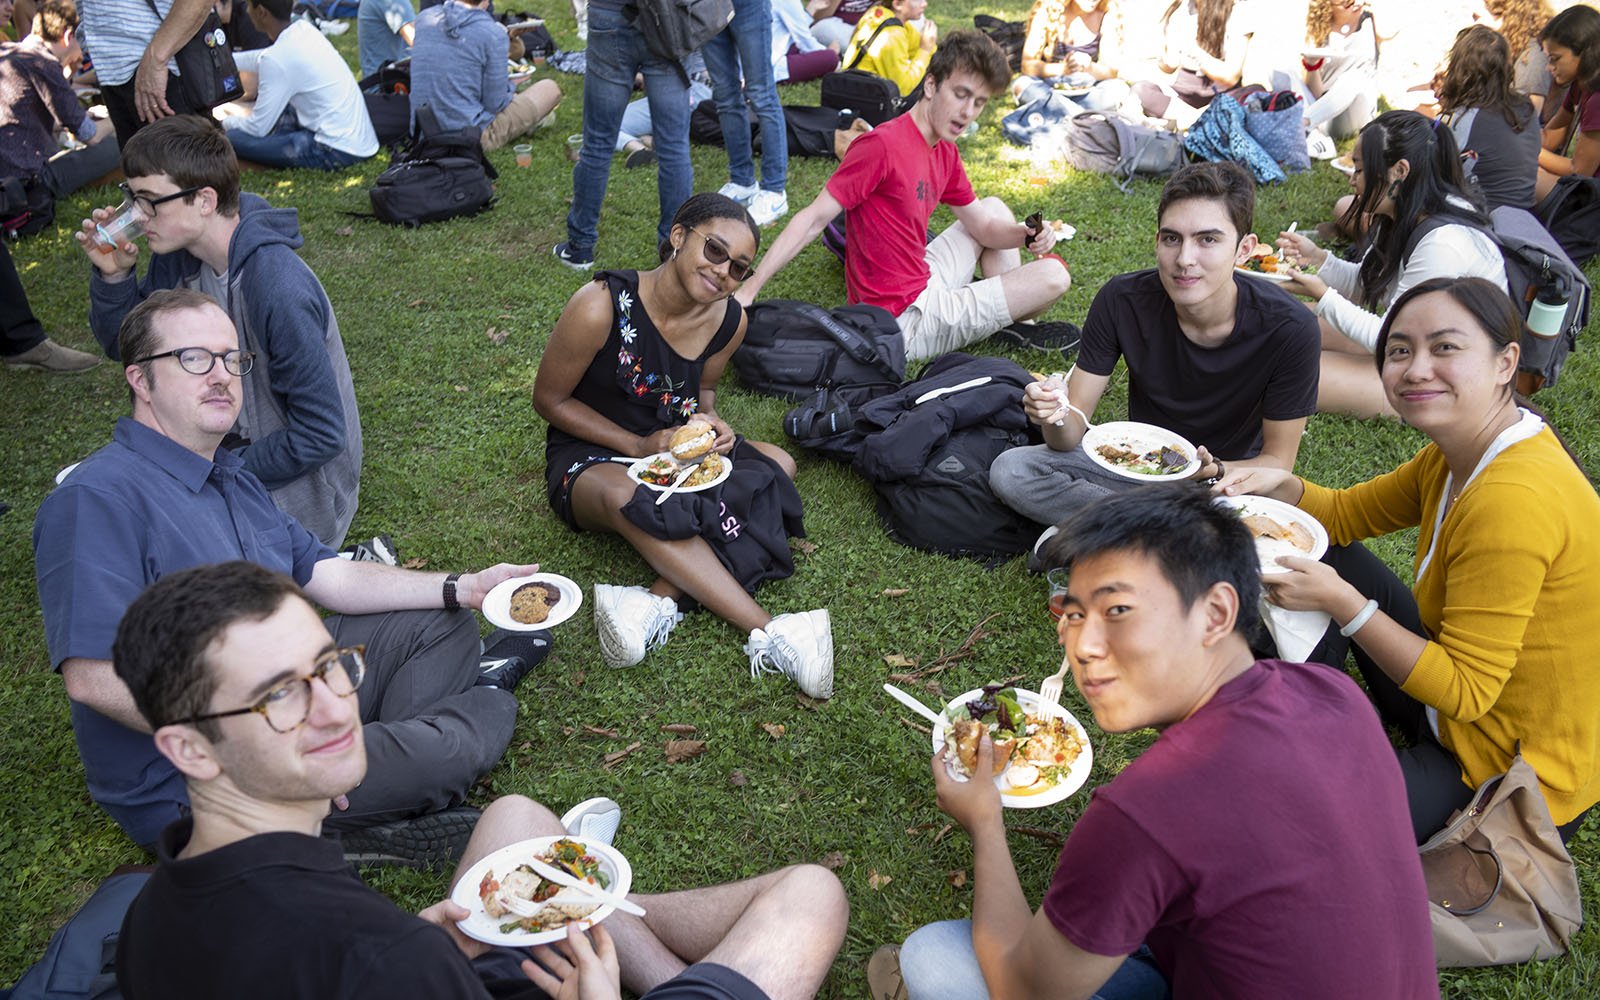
{"type": "Point", "coordinates": [1571, 212]}
{"type": "Point", "coordinates": [1108, 143]}
{"type": "Point", "coordinates": [791, 348]}
{"type": "Point", "coordinates": [438, 175]}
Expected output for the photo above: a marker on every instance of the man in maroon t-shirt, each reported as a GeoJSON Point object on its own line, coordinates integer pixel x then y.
{"type": "Point", "coordinates": [889, 184]}
{"type": "Point", "coordinates": [1260, 848]}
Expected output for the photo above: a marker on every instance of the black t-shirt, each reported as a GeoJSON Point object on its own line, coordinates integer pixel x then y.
{"type": "Point", "coordinates": [1214, 396]}
{"type": "Point", "coordinates": [282, 915]}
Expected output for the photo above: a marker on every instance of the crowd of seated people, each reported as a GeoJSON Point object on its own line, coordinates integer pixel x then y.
{"type": "Point", "coordinates": [183, 568]}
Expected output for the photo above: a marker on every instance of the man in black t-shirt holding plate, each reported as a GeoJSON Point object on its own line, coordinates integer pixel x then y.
{"type": "Point", "coordinates": [1226, 361]}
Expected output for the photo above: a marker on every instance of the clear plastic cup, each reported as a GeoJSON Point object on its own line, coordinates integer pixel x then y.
{"type": "Point", "coordinates": [110, 235]}
{"type": "Point", "coordinates": [1058, 579]}
{"type": "Point", "coordinates": [524, 153]}
{"type": "Point", "coordinates": [574, 146]}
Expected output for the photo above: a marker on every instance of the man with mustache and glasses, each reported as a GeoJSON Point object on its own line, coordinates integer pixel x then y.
{"type": "Point", "coordinates": [255, 704]}
{"type": "Point", "coordinates": [165, 495]}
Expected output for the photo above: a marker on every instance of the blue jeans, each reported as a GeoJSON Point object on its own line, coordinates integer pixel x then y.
{"type": "Point", "coordinates": [290, 148]}
{"type": "Point", "coordinates": [937, 963]}
{"type": "Point", "coordinates": [747, 42]}
{"type": "Point", "coordinates": [616, 52]}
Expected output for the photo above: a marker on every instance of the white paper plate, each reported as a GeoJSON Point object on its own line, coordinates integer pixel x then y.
{"type": "Point", "coordinates": [1073, 92]}
{"type": "Point", "coordinates": [1142, 437]}
{"type": "Point", "coordinates": [638, 466]}
{"type": "Point", "coordinates": [1276, 277]}
{"type": "Point", "coordinates": [1269, 549]}
{"type": "Point", "coordinates": [497, 603]}
{"type": "Point", "coordinates": [1344, 166]}
{"type": "Point", "coordinates": [482, 927]}
{"type": "Point", "coordinates": [1075, 779]}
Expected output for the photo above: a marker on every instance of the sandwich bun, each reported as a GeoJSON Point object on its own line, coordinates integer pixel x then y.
{"type": "Point", "coordinates": [966, 733]}
{"type": "Point", "coordinates": [693, 440]}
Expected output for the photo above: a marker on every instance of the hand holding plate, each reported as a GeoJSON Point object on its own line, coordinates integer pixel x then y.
{"type": "Point", "coordinates": [1261, 481]}
{"type": "Point", "coordinates": [446, 913]}
{"type": "Point", "coordinates": [1310, 585]}
{"type": "Point", "coordinates": [473, 587]}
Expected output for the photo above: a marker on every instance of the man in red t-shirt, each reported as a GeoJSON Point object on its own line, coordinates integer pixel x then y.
{"type": "Point", "coordinates": [889, 184]}
{"type": "Point", "coordinates": [1260, 848]}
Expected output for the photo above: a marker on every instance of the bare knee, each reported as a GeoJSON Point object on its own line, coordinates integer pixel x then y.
{"type": "Point", "coordinates": [520, 812]}
{"type": "Point", "coordinates": [815, 891]}
{"type": "Point", "coordinates": [1051, 277]}
{"type": "Point", "coordinates": [784, 460]}
{"type": "Point", "coordinates": [997, 207]}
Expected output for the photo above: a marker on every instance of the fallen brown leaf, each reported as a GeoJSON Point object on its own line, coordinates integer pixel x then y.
{"type": "Point", "coordinates": [416, 302]}
{"type": "Point", "coordinates": [497, 336]}
{"type": "Point", "coordinates": [1048, 836]}
{"type": "Point", "coordinates": [601, 731]}
{"type": "Point", "coordinates": [878, 881]}
{"type": "Point", "coordinates": [802, 546]}
{"type": "Point", "coordinates": [567, 730]}
{"type": "Point", "coordinates": [681, 728]}
{"type": "Point", "coordinates": [578, 677]}
{"type": "Point", "coordinates": [525, 745]}
{"type": "Point", "coordinates": [610, 760]}
{"type": "Point", "coordinates": [832, 861]}
{"type": "Point", "coordinates": [415, 562]}
{"type": "Point", "coordinates": [896, 592]}
{"type": "Point", "coordinates": [957, 878]}
{"type": "Point", "coordinates": [944, 831]}
{"type": "Point", "coordinates": [678, 751]}
{"type": "Point", "coordinates": [461, 388]}
{"type": "Point", "coordinates": [912, 831]}
{"type": "Point", "coordinates": [737, 779]}
{"type": "Point", "coordinates": [345, 231]}
{"type": "Point", "coordinates": [774, 730]}
{"type": "Point", "coordinates": [899, 661]}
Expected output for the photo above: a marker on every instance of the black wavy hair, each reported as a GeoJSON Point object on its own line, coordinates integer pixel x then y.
{"type": "Point", "coordinates": [1578, 28]}
{"type": "Point", "coordinates": [709, 205]}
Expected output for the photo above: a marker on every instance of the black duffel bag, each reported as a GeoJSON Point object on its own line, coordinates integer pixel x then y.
{"type": "Point", "coordinates": [791, 348]}
{"type": "Point", "coordinates": [438, 175]}
{"type": "Point", "coordinates": [870, 96]}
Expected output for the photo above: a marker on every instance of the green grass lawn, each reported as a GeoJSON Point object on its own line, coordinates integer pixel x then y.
{"type": "Point", "coordinates": [454, 470]}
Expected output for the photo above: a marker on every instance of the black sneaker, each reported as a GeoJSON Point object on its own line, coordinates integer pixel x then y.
{"type": "Point", "coordinates": [1050, 336]}
{"type": "Point", "coordinates": [511, 656]}
{"type": "Point", "coordinates": [433, 840]}
{"type": "Point", "coordinates": [576, 259]}
{"type": "Point", "coordinates": [639, 158]}
{"type": "Point", "coordinates": [379, 549]}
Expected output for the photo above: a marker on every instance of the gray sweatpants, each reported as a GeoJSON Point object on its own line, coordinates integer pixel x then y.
{"type": "Point", "coordinates": [429, 732]}
{"type": "Point", "coordinates": [1049, 486]}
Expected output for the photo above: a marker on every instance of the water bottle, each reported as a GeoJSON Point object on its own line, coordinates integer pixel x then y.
{"type": "Point", "coordinates": [1548, 310]}
{"type": "Point", "coordinates": [846, 119]}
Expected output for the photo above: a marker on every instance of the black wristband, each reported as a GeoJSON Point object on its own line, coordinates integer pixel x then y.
{"type": "Point", "coordinates": [450, 602]}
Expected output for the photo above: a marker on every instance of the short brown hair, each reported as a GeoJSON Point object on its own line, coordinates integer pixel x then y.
{"type": "Point", "coordinates": [137, 336]}
{"type": "Point", "coordinates": [1225, 181]}
{"type": "Point", "coordinates": [193, 151]}
{"type": "Point", "coordinates": [55, 18]}
{"type": "Point", "coordinates": [970, 50]}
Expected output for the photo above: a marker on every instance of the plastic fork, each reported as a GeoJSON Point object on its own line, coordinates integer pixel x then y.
{"type": "Point", "coordinates": [1060, 421]}
{"type": "Point", "coordinates": [1050, 690]}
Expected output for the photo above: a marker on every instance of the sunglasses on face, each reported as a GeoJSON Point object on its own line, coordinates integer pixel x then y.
{"type": "Point", "coordinates": [717, 254]}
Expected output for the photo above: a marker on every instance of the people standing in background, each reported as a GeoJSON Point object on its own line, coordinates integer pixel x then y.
{"type": "Point", "coordinates": [744, 48]}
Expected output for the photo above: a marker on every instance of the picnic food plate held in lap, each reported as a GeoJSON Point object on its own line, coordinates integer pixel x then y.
{"type": "Point", "coordinates": [530, 603]}
{"type": "Point", "coordinates": [1267, 262]}
{"type": "Point", "coordinates": [499, 886]}
{"type": "Point", "coordinates": [1280, 529]}
{"type": "Point", "coordinates": [1040, 765]}
{"type": "Point", "coordinates": [1139, 451]}
{"type": "Point", "coordinates": [661, 470]}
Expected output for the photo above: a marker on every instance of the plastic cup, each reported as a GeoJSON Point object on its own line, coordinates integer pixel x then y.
{"type": "Point", "coordinates": [574, 146]}
{"type": "Point", "coordinates": [524, 153]}
{"type": "Point", "coordinates": [110, 235]}
{"type": "Point", "coordinates": [1057, 578]}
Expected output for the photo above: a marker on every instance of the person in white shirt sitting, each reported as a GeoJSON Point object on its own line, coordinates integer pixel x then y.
{"type": "Point", "coordinates": [308, 110]}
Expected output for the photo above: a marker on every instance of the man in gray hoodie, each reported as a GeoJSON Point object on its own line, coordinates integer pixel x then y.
{"type": "Point", "coordinates": [458, 67]}
{"type": "Point", "coordinates": [298, 431]}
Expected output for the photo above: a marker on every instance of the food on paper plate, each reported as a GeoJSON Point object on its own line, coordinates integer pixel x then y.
{"type": "Point", "coordinates": [531, 602]}
{"type": "Point", "coordinates": [1266, 260]}
{"type": "Point", "coordinates": [710, 468]}
{"type": "Point", "coordinates": [693, 440]}
{"type": "Point", "coordinates": [1162, 461]}
{"type": "Point", "coordinates": [1033, 752]}
{"type": "Point", "coordinates": [532, 903]}
{"type": "Point", "coordinates": [1276, 538]}
{"type": "Point", "coordinates": [660, 471]}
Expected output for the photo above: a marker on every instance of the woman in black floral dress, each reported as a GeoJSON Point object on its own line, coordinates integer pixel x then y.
{"type": "Point", "coordinates": [633, 356]}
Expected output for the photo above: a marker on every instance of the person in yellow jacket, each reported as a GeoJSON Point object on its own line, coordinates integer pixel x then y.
{"type": "Point", "coordinates": [1492, 643]}
{"type": "Point", "coordinates": [894, 41]}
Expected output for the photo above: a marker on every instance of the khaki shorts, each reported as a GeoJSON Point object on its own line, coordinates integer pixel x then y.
{"type": "Point", "coordinates": [514, 120]}
{"type": "Point", "coordinates": [953, 311]}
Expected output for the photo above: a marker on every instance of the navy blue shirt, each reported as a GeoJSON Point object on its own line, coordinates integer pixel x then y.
{"type": "Point", "coordinates": [139, 508]}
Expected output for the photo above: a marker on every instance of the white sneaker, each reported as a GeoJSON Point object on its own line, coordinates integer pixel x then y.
{"type": "Point", "coordinates": [631, 622]}
{"type": "Point", "coordinates": [741, 193]}
{"type": "Point", "coordinates": [799, 646]}
{"type": "Point", "coordinates": [593, 819]}
{"type": "Point", "coordinates": [768, 207]}
{"type": "Point", "coordinates": [1320, 146]}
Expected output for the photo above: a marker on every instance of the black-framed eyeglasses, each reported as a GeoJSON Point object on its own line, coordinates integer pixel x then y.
{"type": "Point", "coordinates": [199, 361]}
{"type": "Point", "coordinates": [147, 205]}
{"type": "Point", "coordinates": [717, 253]}
{"type": "Point", "coordinates": [288, 706]}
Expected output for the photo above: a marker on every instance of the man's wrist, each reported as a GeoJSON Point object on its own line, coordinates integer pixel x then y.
{"type": "Point", "coordinates": [450, 592]}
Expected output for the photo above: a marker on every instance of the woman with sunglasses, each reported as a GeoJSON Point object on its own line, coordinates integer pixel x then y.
{"type": "Point", "coordinates": [1491, 642]}
{"type": "Point", "coordinates": [634, 356]}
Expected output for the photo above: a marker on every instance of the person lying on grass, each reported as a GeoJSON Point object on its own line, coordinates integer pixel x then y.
{"type": "Point", "coordinates": [1250, 852]}
{"type": "Point", "coordinates": [635, 357]}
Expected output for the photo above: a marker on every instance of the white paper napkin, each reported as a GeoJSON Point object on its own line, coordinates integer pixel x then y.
{"type": "Point", "coordinates": [1296, 632]}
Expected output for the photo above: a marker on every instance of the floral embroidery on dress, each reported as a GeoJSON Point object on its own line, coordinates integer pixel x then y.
{"type": "Point", "coordinates": [642, 384]}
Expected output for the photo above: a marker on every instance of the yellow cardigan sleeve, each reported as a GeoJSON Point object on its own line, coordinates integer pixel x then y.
{"type": "Point", "coordinates": [1390, 502]}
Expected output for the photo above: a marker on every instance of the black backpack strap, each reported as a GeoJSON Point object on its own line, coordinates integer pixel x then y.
{"type": "Point", "coordinates": [849, 340]}
{"type": "Point", "coordinates": [861, 53]}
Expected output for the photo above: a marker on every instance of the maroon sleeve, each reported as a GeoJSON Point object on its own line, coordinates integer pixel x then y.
{"type": "Point", "coordinates": [1112, 884]}
{"type": "Point", "coordinates": [1589, 112]}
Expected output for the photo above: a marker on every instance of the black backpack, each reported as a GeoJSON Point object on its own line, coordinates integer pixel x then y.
{"type": "Point", "coordinates": [828, 423]}
{"type": "Point", "coordinates": [1571, 212]}
{"type": "Point", "coordinates": [438, 175]}
{"type": "Point", "coordinates": [1011, 36]}
{"type": "Point", "coordinates": [387, 92]}
{"type": "Point", "coordinates": [26, 207]}
{"type": "Point", "coordinates": [793, 348]}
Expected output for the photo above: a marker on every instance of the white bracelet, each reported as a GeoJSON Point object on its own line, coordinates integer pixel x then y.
{"type": "Point", "coordinates": [1362, 617]}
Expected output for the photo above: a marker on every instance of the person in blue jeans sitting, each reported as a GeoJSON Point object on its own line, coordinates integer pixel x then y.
{"type": "Point", "coordinates": [308, 110]}
{"type": "Point", "coordinates": [1261, 847]}
{"type": "Point", "coordinates": [746, 44]}
{"type": "Point", "coordinates": [616, 53]}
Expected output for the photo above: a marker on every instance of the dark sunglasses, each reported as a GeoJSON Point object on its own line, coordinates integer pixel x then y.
{"type": "Point", "coordinates": [717, 254]}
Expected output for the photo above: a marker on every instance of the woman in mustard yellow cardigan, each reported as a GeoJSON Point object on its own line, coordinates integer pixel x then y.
{"type": "Point", "coordinates": [1493, 641]}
